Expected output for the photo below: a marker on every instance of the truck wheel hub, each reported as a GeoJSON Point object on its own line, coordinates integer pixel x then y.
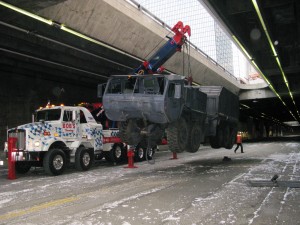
{"type": "Point", "coordinates": [86, 159]}
{"type": "Point", "coordinates": [118, 152]}
{"type": "Point", "coordinates": [140, 153]}
{"type": "Point", "coordinates": [58, 162]}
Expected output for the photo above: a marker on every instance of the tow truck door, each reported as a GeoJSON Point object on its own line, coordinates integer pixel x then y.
{"type": "Point", "coordinates": [70, 129]}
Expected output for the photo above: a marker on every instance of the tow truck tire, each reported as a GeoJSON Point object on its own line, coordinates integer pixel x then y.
{"type": "Point", "coordinates": [117, 153]}
{"type": "Point", "coordinates": [227, 137]}
{"type": "Point", "coordinates": [22, 167]}
{"type": "Point", "coordinates": [55, 162]}
{"type": "Point", "coordinates": [149, 153]}
{"type": "Point", "coordinates": [139, 154]}
{"type": "Point", "coordinates": [84, 159]}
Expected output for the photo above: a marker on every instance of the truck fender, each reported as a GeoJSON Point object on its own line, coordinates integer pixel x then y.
{"type": "Point", "coordinates": [48, 143]}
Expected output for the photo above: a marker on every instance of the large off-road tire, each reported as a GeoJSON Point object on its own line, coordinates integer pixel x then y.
{"type": "Point", "coordinates": [218, 140]}
{"type": "Point", "coordinates": [233, 133]}
{"type": "Point", "coordinates": [84, 159]}
{"type": "Point", "coordinates": [172, 138]}
{"type": "Point", "coordinates": [130, 132]}
{"type": "Point", "coordinates": [178, 134]}
{"type": "Point", "coordinates": [55, 162]}
{"type": "Point", "coordinates": [22, 167]}
{"type": "Point", "coordinates": [213, 141]}
{"type": "Point", "coordinates": [194, 139]}
{"type": "Point", "coordinates": [122, 131]}
{"type": "Point", "coordinates": [220, 135]}
{"type": "Point", "coordinates": [117, 153]}
{"type": "Point", "coordinates": [183, 134]}
{"type": "Point", "coordinates": [139, 154]}
{"type": "Point", "coordinates": [227, 137]}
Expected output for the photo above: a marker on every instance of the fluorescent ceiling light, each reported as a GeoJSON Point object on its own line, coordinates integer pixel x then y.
{"type": "Point", "coordinates": [26, 13]}
{"type": "Point", "coordinates": [254, 2]}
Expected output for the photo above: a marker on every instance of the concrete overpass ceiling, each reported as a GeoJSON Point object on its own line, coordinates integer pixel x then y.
{"type": "Point", "coordinates": [282, 19]}
{"type": "Point", "coordinates": [34, 49]}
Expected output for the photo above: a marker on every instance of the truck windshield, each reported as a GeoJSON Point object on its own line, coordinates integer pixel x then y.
{"type": "Point", "coordinates": [48, 115]}
{"type": "Point", "coordinates": [136, 84]}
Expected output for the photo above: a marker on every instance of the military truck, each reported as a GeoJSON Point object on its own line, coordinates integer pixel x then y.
{"type": "Point", "coordinates": [148, 105]}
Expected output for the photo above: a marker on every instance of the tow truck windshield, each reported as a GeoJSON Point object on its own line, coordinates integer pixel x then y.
{"type": "Point", "coordinates": [48, 115]}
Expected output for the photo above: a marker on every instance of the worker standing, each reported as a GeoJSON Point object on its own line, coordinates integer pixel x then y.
{"type": "Point", "coordinates": [239, 142]}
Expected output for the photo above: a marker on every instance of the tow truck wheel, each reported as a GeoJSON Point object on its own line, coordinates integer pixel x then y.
{"type": "Point", "coordinates": [139, 154]}
{"type": "Point", "coordinates": [22, 167]}
{"type": "Point", "coordinates": [117, 153]}
{"type": "Point", "coordinates": [83, 159]}
{"type": "Point", "coordinates": [55, 162]}
{"type": "Point", "coordinates": [149, 152]}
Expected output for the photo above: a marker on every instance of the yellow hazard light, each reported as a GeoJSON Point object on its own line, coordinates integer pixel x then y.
{"type": "Point", "coordinates": [56, 135]}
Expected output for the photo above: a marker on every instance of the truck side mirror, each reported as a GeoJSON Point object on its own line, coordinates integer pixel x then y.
{"type": "Point", "coordinates": [100, 90]}
{"type": "Point", "coordinates": [177, 93]}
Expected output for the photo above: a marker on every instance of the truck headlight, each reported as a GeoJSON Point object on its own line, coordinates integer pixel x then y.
{"type": "Point", "coordinates": [37, 144]}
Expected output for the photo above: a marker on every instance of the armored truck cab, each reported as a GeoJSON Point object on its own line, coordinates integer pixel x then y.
{"type": "Point", "coordinates": [155, 98]}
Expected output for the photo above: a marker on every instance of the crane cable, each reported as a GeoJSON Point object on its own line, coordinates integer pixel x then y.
{"type": "Point", "coordinates": [189, 60]}
{"type": "Point", "coordinates": [188, 52]}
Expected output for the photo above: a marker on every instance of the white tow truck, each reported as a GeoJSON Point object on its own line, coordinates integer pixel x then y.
{"type": "Point", "coordinates": [61, 135]}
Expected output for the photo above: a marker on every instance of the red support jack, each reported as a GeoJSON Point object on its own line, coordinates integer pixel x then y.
{"type": "Point", "coordinates": [130, 155]}
{"type": "Point", "coordinates": [12, 141]}
{"type": "Point", "coordinates": [174, 155]}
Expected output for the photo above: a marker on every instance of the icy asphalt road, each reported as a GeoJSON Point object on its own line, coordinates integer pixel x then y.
{"type": "Point", "coordinates": [197, 188]}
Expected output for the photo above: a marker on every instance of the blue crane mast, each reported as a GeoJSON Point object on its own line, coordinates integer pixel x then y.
{"type": "Point", "coordinates": [173, 45]}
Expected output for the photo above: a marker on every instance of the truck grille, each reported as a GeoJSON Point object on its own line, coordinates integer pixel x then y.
{"type": "Point", "coordinates": [20, 135]}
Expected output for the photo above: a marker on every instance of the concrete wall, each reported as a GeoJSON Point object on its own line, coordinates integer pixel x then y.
{"type": "Point", "coordinates": [20, 96]}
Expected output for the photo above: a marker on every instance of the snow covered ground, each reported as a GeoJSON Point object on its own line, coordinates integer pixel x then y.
{"type": "Point", "coordinates": [197, 188]}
